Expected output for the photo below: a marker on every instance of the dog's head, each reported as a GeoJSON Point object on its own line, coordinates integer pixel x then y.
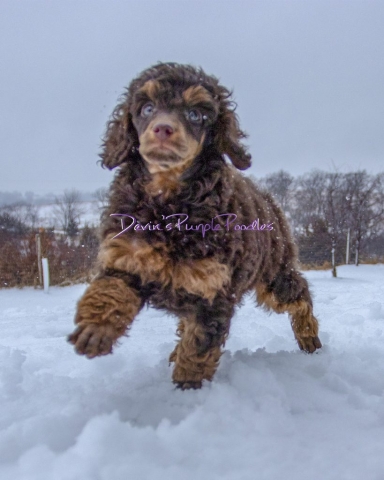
{"type": "Point", "coordinates": [169, 114]}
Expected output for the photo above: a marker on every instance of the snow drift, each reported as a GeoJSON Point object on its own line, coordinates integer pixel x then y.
{"type": "Point", "coordinates": [271, 412]}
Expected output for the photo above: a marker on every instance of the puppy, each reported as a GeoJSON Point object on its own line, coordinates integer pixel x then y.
{"type": "Point", "coordinates": [185, 231]}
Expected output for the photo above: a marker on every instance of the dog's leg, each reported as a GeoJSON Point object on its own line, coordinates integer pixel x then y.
{"type": "Point", "coordinates": [289, 293]}
{"type": "Point", "coordinates": [195, 359]}
{"type": "Point", "coordinates": [104, 313]}
{"type": "Point", "coordinates": [198, 352]}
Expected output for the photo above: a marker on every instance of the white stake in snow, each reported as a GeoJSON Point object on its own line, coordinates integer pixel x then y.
{"type": "Point", "coordinates": [334, 272]}
{"type": "Point", "coordinates": [38, 251]}
{"type": "Point", "coordinates": [45, 274]}
{"type": "Point", "coordinates": [347, 251]}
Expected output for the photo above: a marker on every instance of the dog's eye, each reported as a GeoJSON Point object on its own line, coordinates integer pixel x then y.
{"type": "Point", "coordinates": [194, 116]}
{"type": "Point", "coordinates": [147, 110]}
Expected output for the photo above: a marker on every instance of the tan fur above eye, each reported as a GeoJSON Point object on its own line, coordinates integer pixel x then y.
{"type": "Point", "coordinates": [197, 94]}
{"type": "Point", "coordinates": [151, 89]}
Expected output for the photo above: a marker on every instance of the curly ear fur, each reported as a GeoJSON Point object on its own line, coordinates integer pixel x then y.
{"type": "Point", "coordinates": [228, 135]}
{"type": "Point", "coordinates": [120, 138]}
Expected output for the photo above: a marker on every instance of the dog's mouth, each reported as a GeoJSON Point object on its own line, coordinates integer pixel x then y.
{"type": "Point", "coordinates": [163, 153]}
{"type": "Point", "coordinates": [165, 144]}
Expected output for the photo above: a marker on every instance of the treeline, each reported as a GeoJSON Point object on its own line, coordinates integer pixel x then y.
{"type": "Point", "coordinates": [324, 209]}
{"type": "Point", "coordinates": [31, 198]}
{"type": "Point", "coordinates": [69, 244]}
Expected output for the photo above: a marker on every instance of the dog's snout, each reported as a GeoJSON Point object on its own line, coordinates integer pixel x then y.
{"type": "Point", "coordinates": [163, 131]}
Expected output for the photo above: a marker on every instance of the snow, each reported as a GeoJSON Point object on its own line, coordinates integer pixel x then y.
{"type": "Point", "coordinates": [272, 412]}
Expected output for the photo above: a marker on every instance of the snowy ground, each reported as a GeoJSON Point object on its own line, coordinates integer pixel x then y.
{"type": "Point", "coordinates": [272, 412]}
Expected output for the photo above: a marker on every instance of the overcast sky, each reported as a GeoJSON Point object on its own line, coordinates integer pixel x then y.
{"type": "Point", "coordinates": [308, 77]}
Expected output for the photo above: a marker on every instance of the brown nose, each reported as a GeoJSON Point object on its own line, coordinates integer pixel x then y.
{"type": "Point", "coordinates": [162, 131]}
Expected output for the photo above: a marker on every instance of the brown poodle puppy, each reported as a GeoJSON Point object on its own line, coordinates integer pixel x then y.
{"type": "Point", "coordinates": [184, 230]}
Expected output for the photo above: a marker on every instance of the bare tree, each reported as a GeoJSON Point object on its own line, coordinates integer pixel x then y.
{"type": "Point", "coordinates": [366, 197]}
{"type": "Point", "coordinates": [11, 225]}
{"type": "Point", "coordinates": [336, 211]}
{"type": "Point", "coordinates": [280, 185]}
{"type": "Point", "coordinates": [308, 201]}
{"type": "Point", "coordinates": [102, 196]}
{"type": "Point", "coordinates": [338, 202]}
{"type": "Point", "coordinates": [68, 211]}
{"type": "Point", "coordinates": [23, 212]}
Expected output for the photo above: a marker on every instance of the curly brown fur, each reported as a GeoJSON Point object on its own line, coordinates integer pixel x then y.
{"type": "Point", "coordinates": [170, 137]}
{"type": "Point", "coordinates": [104, 313]}
{"type": "Point", "coordinates": [195, 358]}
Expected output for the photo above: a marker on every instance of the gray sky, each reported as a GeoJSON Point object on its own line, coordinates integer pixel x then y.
{"type": "Point", "coordinates": [308, 77]}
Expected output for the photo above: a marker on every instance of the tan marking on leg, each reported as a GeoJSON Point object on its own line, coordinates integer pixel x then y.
{"type": "Point", "coordinates": [201, 277]}
{"type": "Point", "coordinates": [304, 325]}
{"type": "Point", "coordinates": [138, 257]}
{"type": "Point", "coordinates": [104, 313]}
{"type": "Point", "coordinates": [194, 362]}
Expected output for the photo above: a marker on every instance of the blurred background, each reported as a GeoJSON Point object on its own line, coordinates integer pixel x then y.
{"type": "Point", "coordinates": [307, 76]}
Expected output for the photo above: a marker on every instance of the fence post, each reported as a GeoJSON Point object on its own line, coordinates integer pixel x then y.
{"type": "Point", "coordinates": [347, 252]}
{"type": "Point", "coordinates": [334, 273]}
{"type": "Point", "coordinates": [38, 252]}
{"type": "Point", "coordinates": [45, 274]}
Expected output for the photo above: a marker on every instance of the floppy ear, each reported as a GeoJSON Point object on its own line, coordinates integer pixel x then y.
{"type": "Point", "coordinates": [120, 140]}
{"type": "Point", "coordinates": [228, 136]}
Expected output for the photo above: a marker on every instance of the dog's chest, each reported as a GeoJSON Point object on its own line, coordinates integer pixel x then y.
{"type": "Point", "coordinates": [183, 232]}
{"type": "Point", "coordinates": [189, 240]}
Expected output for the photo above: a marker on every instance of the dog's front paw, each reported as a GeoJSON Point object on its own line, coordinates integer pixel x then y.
{"type": "Point", "coordinates": [92, 339]}
{"type": "Point", "coordinates": [309, 344]}
{"type": "Point", "coordinates": [189, 377]}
